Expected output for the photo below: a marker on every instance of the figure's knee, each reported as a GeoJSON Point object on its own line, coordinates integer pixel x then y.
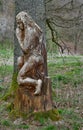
{"type": "Point", "coordinates": [20, 62]}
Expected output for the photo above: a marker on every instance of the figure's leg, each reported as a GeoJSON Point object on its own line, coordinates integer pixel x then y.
{"type": "Point", "coordinates": [27, 68]}
{"type": "Point", "coordinates": [22, 74]}
{"type": "Point", "coordinates": [36, 83]}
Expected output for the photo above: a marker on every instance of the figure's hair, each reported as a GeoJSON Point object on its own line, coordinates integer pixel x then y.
{"type": "Point", "coordinates": [26, 19]}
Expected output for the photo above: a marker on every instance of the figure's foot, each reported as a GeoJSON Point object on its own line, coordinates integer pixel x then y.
{"type": "Point", "coordinates": [38, 87]}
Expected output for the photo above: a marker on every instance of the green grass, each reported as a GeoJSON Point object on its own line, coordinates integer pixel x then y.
{"type": "Point", "coordinates": [50, 127]}
{"type": "Point", "coordinates": [5, 122]}
{"type": "Point", "coordinates": [23, 126]}
{"type": "Point", "coordinates": [69, 71]}
{"type": "Point", "coordinates": [6, 49]}
{"type": "Point", "coordinates": [6, 69]}
{"type": "Point", "coordinates": [67, 81]}
{"type": "Point", "coordinates": [6, 66]}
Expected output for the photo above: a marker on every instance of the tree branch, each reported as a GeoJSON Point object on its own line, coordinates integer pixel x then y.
{"type": "Point", "coordinates": [52, 34]}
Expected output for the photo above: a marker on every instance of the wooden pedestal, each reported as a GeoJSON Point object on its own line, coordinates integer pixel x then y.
{"type": "Point", "coordinates": [27, 102]}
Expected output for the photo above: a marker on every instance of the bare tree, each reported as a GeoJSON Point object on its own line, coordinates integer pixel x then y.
{"type": "Point", "coordinates": [65, 20]}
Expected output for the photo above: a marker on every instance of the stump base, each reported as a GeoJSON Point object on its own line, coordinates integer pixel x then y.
{"type": "Point", "coordinates": [27, 102]}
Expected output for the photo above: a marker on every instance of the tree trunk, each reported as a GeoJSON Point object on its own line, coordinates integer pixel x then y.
{"type": "Point", "coordinates": [36, 9]}
{"type": "Point", "coordinates": [25, 100]}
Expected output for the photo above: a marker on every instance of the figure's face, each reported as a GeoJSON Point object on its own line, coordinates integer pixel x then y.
{"type": "Point", "coordinates": [20, 24]}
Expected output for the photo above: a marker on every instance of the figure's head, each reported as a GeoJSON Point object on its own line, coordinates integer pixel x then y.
{"type": "Point", "coordinates": [23, 19]}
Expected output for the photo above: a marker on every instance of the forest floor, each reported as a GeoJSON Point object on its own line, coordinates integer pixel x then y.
{"type": "Point", "coordinates": [66, 73]}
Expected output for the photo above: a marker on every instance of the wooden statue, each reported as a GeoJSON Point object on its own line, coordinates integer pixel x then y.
{"type": "Point", "coordinates": [34, 92]}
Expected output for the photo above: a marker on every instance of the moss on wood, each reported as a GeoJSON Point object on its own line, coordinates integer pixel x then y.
{"type": "Point", "coordinates": [12, 90]}
{"type": "Point", "coordinates": [52, 114]}
{"type": "Point", "coordinates": [37, 116]}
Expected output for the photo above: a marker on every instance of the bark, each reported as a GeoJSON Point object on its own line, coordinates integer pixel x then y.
{"type": "Point", "coordinates": [25, 100]}
{"type": "Point", "coordinates": [37, 10]}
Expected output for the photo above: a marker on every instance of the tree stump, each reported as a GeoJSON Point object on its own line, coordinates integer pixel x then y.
{"type": "Point", "coordinates": [27, 102]}
{"type": "Point", "coordinates": [34, 86]}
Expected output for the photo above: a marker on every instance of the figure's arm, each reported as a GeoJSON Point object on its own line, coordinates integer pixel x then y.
{"type": "Point", "coordinates": [20, 40]}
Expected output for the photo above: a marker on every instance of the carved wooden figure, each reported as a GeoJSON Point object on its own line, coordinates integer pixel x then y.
{"type": "Point", "coordinates": [34, 92]}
